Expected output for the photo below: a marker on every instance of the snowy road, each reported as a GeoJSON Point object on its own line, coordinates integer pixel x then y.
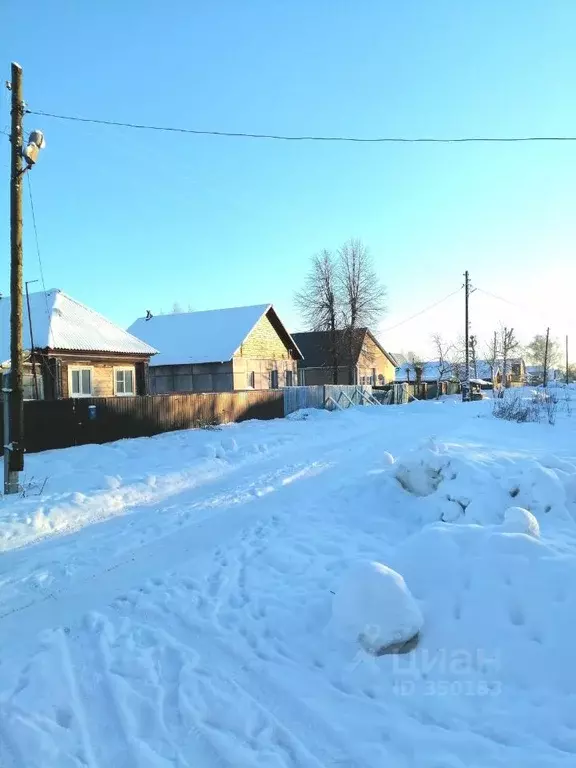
{"type": "Point", "coordinates": [166, 602]}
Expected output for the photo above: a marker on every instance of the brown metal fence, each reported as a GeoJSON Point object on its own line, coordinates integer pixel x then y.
{"type": "Point", "coordinates": [64, 423]}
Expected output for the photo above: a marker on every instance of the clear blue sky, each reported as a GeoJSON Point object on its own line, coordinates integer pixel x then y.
{"type": "Point", "coordinates": [130, 220]}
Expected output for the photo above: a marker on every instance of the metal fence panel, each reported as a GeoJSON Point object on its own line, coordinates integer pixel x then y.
{"type": "Point", "coordinates": [297, 398]}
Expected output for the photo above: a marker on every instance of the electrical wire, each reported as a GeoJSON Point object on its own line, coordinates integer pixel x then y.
{"type": "Point", "coordinates": [41, 268]}
{"type": "Point", "coordinates": [281, 137]}
{"type": "Point", "coordinates": [528, 311]}
{"type": "Point", "coordinates": [422, 311]}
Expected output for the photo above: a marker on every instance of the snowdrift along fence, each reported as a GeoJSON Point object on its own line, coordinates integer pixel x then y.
{"type": "Point", "coordinates": [64, 423]}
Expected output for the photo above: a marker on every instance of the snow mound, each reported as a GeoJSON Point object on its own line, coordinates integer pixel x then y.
{"type": "Point", "coordinates": [387, 458]}
{"type": "Point", "coordinates": [520, 520]}
{"type": "Point", "coordinates": [462, 485]}
{"type": "Point", "coordinates": [374, 607]}
{"type": "Point", "coordinates": [503, 603]}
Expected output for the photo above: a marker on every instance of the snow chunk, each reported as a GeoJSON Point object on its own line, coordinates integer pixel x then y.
{"type": "Point", "coordinates": [520, 520]}
{"type": "Point", "coordinates": [420, 472]}
{"type": "Point", "coordinates": [387, 458]}
{"type": "Point", "coordinates": [375, 607]}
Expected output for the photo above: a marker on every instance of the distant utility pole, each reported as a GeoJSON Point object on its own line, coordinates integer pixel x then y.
{"type": "Point", "coordinates": [545, 377]}
{"type": "Point", "coordinates": [14, 451]}
{"type": "Point", "coordinates": [466, 383]}
{"type": "Point", "coordinates": [567, 366]}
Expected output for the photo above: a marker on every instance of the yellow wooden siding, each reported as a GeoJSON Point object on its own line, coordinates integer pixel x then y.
{"type": "Point", "coordinates": [371, 357]}
{"type": "Point", "coordinates": [264, 343]}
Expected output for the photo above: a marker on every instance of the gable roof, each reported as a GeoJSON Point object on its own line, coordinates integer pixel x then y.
{"type": "Point", "coordinates": [210, 336]}
{"type": "Point", "coordinates": [316, 346]}
{"type": "Point", "coordinates": [61, 322]}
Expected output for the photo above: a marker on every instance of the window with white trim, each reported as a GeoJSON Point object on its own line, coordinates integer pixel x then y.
{"type": "Point", "coordinates": [80, 382]}
{"type": "Point", "coordinates": [124, 381]}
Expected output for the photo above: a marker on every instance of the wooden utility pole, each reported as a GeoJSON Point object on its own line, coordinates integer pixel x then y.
{"type": "Point", "coordinates": [545, 377]}
{"type": "Point", "coordinates": [16, 411]}
{"type": "Point", "coordinates": [567, 365]}
{"type": "Point", "coordinates": [466, 384]}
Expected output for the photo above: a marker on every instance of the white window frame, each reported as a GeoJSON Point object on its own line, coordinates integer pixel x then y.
{"type": "Point", "coordinates": [130, 368]}
{"type": "Point", "coordinates": [71, 369]}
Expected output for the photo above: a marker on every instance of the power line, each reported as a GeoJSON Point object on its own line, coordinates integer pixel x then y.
{"type": "Point", "coordinates": [280, 137]}
{"type": "Point", "coordinates": [422, 311]}
{"type": "Point", "coordinates": [528, 310]}
{"type": "Point", "coordinates": [500, 298]}
{"type": "Point", "coordinates": [36, 238]}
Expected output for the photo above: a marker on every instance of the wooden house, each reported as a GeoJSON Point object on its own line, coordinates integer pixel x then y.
{"type": "Point", "coordinates": [219, 350]}
{"type": "Point", "coordinates": [343, 359]}
{"type": "Point", "coordinates": [72, 351]}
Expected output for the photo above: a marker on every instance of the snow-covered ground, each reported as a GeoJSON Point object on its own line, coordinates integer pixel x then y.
{"type": "Point", "coordinates": [169, 601]}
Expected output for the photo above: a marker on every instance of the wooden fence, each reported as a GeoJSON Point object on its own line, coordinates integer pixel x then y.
{"type": "Point", "coordinates": [64, 423]}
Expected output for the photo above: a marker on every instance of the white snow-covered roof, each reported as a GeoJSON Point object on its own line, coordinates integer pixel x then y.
{"type": "Point", "coordinates": [432, 370]}
{"type": "Point", "coordinates": [60, 322]}
{"type": "Point", "coordinates": [210, 336]}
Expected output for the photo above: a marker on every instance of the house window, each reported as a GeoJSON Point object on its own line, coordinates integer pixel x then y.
{"type": "Point", "coordinates": [31, 386]}
{"type": "Point", "coordinates": [289, 378]}
{"type": "Point", "coordinates": [80, 381]}
{"type": "Point", "coordinates": [123, 381]}
{"type": "Point", "coordinates": [273, 379]}
{"type": "Point", "coordinates": [250, 380]}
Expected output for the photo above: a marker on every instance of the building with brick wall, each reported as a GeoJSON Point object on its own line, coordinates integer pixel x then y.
{"type": "Point", "coordinates": [219, 350]}
{"type": "Point", "coordinates": [72, 351]}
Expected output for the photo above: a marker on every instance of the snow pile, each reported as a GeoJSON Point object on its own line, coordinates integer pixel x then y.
{"type": "Point", "coordinates": [519, 520]}
{"type": "Point", "coordinates": [463, 485]}
{"type": "Point", "coordinates": [374, 607]}
{"type": "Point", "coordinates": [504, 602]}
{"type": "Point", "coordinates": [421, 472]}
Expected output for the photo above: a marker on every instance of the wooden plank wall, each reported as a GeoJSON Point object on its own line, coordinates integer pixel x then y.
{"type": "Point", "coordinates": [64, 423]}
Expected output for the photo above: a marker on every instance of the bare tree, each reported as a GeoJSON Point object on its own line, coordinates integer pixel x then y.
{"type": "Point", "coordinates": [363, 295]}
{"type": "Point", "coordinates": [419, 366]}
{"type": "Point", "coordinates": [536, 353]}
{"type": "Point", "coordinates": [176, 308]}
{"type": "Point", "coordinates": [457, 359]}
{"type": "Point", "coordinates": [319, 303]}
{"type": "Point", "coordinates": [444, 368]}
{"type": "Point", "coordinates": [508, 345]}
{"type": "Point", "coordinates": [492, 352]}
